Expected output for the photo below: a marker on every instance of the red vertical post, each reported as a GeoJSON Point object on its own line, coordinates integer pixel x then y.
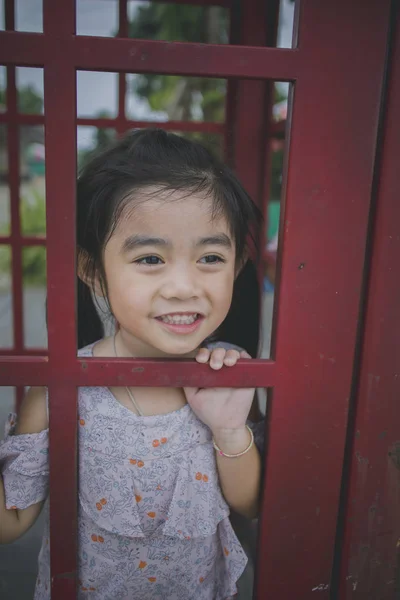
{"type": "Point", "coordinates": [323, 231]}
{"type": "Point", "coordinates": [60, 99]}
{"type": "Point", "coordinates": [371, 555]}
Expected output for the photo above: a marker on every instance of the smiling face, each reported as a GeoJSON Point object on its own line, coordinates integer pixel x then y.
{"type": "Point", "coordinates": [170, 270]}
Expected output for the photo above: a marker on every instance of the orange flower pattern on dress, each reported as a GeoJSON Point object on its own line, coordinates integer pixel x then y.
{"type": "Point", "coordinates": [158, 504]}
{"type": "Point", "coordinates": [82, 422]}
{"type": "Point", "coordinates": [156, 443]}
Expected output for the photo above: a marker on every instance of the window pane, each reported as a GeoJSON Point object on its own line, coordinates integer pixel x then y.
{"type": "Point", "coordinates": [4, 188]}
{"type": "Point", "coordinates": [34, 296]}
{"type": "Point", "coordinates": [175, 98]}
{"type": "Point", "coordinates": [7, 405]}
{"type": "Point", "coordinates": [3, 89]}
{"type": "Point", "coordinates": [2, 23]}
{"type": "Point", "coordinates": [90, 140]}
{"type": "Point", "coordinates": [96, 17]}
{"type": "Point", "coordinates": [97, 94]}
{"type": "Point", "coordinates": [30, 90]}
{"type": "Point", "coordinates": [29, 15]}
{"type": "Point", "coordinates": [6, 307]}
{"type": "Point", "coordinates": [32, 181]}
{"type": "Point", "coordinates": [285, 25]}
{"type": "Point", "coordinates": [178, 22]}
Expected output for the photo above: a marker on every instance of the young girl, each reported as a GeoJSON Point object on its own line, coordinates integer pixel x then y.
{"type": "Point", "coordinates": [163, 234]}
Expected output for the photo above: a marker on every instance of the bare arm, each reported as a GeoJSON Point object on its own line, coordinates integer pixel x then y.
{"type": "Point", "coordinates": [32, 419]}
{"type": "Point", "coordinates": [239, 477]}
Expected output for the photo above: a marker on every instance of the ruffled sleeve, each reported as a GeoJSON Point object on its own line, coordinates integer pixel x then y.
{"type": "Point", "coordinates": [24, 465]}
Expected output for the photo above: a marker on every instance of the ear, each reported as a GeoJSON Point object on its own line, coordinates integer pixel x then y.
{"type": "Point", "coordinates": [84, 274]}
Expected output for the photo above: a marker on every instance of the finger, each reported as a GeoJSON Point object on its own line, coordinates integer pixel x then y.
{"type": "Point", "coordinates": [217, 358]}
{"type": "Point", "coordinates": [244, 354]}
{"type": "Point", "coordinates": [190, 392]}
{"type": "Point", "coordinates": [203, 355]}
{"type": "Point", "coordinates": [231, 358]}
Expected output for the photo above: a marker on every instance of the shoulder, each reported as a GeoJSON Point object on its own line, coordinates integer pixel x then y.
{"type": "Point", "coordinates": [32, 417]}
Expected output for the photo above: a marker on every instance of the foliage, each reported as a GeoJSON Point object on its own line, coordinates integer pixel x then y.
{"type": "Point", "coordinates": [29, 102]}
{"type": "Point", "coordinates": [33, 222]}
{"type": "Point", "coordinates": [182, 98]}
{"type": "Point", "coordinates": [101, 138]}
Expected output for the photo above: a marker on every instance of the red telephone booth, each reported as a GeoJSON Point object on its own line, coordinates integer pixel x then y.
{"type": "Point", "coordinates": [330, 521]}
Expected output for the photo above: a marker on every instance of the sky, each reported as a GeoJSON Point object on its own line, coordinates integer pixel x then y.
{"type": "Point", "coordinates": [97, 91]}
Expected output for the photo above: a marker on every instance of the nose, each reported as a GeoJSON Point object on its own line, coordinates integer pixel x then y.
{"type": "Point", "coordinates": [180, 283]}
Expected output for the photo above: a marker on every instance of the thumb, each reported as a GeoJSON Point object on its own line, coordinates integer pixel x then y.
{"type": "Point", "coordinates": [190, 392]}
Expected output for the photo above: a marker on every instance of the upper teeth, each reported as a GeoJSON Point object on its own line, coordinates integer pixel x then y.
{"type": "Point", "coordinates": [179, 319]}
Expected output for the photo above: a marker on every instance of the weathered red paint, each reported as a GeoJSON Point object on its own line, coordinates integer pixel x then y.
{"type": "Point", "coordinates": [371, 555]}
{"type": "Point", "coordinates": [323, 235]}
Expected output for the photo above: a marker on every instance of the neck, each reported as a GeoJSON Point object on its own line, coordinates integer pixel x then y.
{"type": "Point", "coordinates": [128, 347]}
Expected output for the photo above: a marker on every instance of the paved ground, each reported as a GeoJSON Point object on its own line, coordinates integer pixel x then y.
{"type": "Point", "coordinates": [18, 561]}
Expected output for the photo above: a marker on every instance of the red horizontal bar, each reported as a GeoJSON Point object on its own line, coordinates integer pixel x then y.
{"type": "Point", "coordinates": [29, 370]}
{"type": "Point", "coordinates": [144, 56]}
{"type": "Point", "coordinates": [277, 129]}
{"type": "Point", "coordinates": [18, 240]}
{"type": "Point", "coordinates": [26, 352]}
{"type": "Point", "coordinates": [22, 118]}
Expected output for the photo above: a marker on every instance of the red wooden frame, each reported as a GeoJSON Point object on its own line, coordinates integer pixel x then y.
{"type": "Point", "coordinates": [329, 183]}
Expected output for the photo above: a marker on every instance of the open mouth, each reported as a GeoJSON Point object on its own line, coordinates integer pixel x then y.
{"type": "Point", "coordinates": [181, 322]}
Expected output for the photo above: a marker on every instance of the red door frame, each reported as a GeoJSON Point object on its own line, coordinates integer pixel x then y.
{"type": "Point", "coordinates": [329, 185]}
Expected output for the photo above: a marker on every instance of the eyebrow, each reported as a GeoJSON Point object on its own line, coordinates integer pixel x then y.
{"type": "Point", "coordinates": [139, 241]}
{"type": "Point", "coordinates": [220, 239]}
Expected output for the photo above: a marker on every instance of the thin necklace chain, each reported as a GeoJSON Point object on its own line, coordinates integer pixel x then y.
{"type": "Point", "coordinates": [135, 404]}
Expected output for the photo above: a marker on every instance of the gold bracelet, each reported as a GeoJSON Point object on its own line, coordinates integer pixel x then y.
{"type": "Point", "coordinates": [218, 449]}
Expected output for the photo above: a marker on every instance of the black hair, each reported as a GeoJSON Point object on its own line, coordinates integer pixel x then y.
{"type": "Point", "coordinates": [155, 158]}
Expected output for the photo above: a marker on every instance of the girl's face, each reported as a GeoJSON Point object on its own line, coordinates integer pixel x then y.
{"type": "Point", "coordinates": [170, 270]}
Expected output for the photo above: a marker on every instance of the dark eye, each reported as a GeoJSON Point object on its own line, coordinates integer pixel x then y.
{"type": "Point", "coordinates": [211, 259]}
{"type": "Point", "coordinates": [149, 260]}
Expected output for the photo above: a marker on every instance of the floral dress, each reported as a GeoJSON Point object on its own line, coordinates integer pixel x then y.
{"type": "Point", "coordinates": [152, 524]}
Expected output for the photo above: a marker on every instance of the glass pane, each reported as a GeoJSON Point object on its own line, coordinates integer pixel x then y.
{"type": "Point", "coordinates": [5, 225]}
{"type": "Point", "coordinates": [3, 89]}
{"type": "Point", "coordinates": [178, 22]}
{"type": "Point", "coordinates": [32, 181]}
{"type": "Point", "coordinates": [92, 139]}
{"type": "Point", "coordinates": [34, 296]}
{"type": "Point", "coordinates": [97, 94]}
{"type": "Point", "coordinates": [29, 15]}
{"type": "Point", "coordinates": [175, 98]}
{"type": "Point", "coordinates": [30, 90]}
{"type": "Point", "coordinates": [285, 25]}
{"type": "Point", "coordinates": [6, 307]}
{"type": "Point", "coordinates": [7, 405]}
{"type": "Point", "coordinates": [272, 211]}
{"type": "Point", "coordinates": [2, 22]}
{"type": "Point", "coordinates": [96, 17]}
